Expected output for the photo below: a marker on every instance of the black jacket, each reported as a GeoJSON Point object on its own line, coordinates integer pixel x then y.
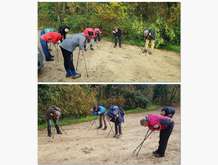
{"type": "Point", "coordinates": [61, 30]}
{"type": "Point", "coordinates": [118, 33]}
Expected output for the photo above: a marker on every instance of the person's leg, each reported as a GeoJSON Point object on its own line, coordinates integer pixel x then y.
{"type": "Point", "coordinates": [74, 74]}
{"type": "Point", "coordinates": [49, 127]}
{"type": "Point", "coordinates": [105, 123]}
{"type": "Point", "coordinates": [99, 37]}
{"type": "Point", "coordinates": [70, 63]}
{"type": "Point", "coordinates": [91, 44]}
{"type": "Point", "coordinates": [115, 41]}
{"type": "Point", "coordinates": [57, 127]}
{"type": "Point", "coordinates": [66, 66]}
{"type": "Point", "coordinates": [45, 49]}
{"type": "Point", "coordinates": [100, 121]}
{"type": "Point", "coordinates": [119, 41]}
{"type": "Point", "coordinates": [146, 45]}
{"type": "Point", "coordinates": [116, 128]}
{"type": "Point", "coordinates": [164, 137]}
{"type": "Point", "coordinates": [120, 129]}
{"type": "Point", "coordinates": [151, 45]}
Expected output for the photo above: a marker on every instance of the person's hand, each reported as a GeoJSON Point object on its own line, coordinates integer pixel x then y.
{"type": "Point", "coordinates": [156, 126]}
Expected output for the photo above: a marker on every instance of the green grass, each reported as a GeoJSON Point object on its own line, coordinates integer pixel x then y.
{"type": "Point", "coordinates": [71, 120]}
{"type": "Point", "coordinates": [174, 48]}
{"type": "Point", "coordinates": [140, 110]}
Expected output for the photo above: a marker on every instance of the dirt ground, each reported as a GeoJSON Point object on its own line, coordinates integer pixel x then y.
{"type": "Point", "coordinates": [81, 145]}
{"type": "Point", "coordinates": [126, 64]}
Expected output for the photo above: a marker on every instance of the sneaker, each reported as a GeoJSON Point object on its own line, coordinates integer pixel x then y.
{"type": "Point", "coordinates": [158, 155]}
{"type": "Point", "coordinates": [68, 74]}
{"type": "Point", "coordinates": [77, 75]}
{"type": "Point", "coordinates": [91, 48]}
{"type": "Point", "coordinates": [155, 152]}
{"type": "Point", "coordinates": [104, 128]}
{"type": "Point", "coordinates": [99, 127]}
{"type": "Point", "coordinates": [50, 59]}
{"type": "Point", "coordinates": [115, 136]}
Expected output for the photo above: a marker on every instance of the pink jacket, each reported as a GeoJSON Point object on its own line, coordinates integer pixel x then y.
{"type": "Point", "coordinates": [154, 121]}
{"type": "Point", "coordinates": [97, 30]}
{"type": "Point", "coordinates": [85, 32]}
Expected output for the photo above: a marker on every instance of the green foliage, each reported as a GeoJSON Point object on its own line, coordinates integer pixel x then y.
{"type": "Point", "coordinates": [77, 100]}
{"type": "Point", "coordinates": [132, 18]}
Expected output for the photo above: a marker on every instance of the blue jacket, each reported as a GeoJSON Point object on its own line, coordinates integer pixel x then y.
{"type": "Point", "coordinates": [101, 110]}
{"type": "Point", "coordinates": [116, 113]}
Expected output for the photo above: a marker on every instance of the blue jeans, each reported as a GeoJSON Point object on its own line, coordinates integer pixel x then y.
{"type": "Point", "coordinates": [45, 49]}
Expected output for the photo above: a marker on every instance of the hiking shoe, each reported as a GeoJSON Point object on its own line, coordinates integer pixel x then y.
{"type": "Point", "coordinates": [77, 75]}
{"type": "Point", "coordinates": [158, 155]}
{"type": "Point", "coordinates": [155, 152]}
{"type": "Point", "coordinates": [99, 127]}
{"type": "Point", "coordinates": [50, 59]}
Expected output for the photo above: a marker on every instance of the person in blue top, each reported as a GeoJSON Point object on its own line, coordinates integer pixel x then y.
{"type": "Point", "coordinates": [116, 115]}
{"type": "Point", "coordinates": [100, 111]}
{"type": "Point", "coordinates": [168, 111]}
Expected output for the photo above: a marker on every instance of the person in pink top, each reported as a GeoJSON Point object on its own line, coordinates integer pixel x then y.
{"type": "Point", "coordinates": [97, 34]}
{"type": "Point", "coordinates": [156, 122]}
{"type": "Point", "coordinates": [89, 34]}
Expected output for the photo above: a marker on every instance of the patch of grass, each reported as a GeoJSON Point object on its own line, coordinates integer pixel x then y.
{"type": "Point", "coordinates": [174, 48]}
{"type": "Point", "coordinates": [71, 120]}
{"type": "Point", "coordinates": [140, 110]}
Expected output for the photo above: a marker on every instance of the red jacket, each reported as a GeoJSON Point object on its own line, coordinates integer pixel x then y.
{"type": "Point", "coordinates": [53, 37]}
{"type": "Point", "coordinates": [158, 122]}
{"type": "Point", "coordinates": [86, 34]}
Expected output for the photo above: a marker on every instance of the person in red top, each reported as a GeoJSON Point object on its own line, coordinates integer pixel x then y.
{"type": "Point", "coordinates": [156, 122]}
{"type": "Point", "coordinates": [52, 37]}
{"type": "Point", "coordinates": [89, 33]}
{"type": "Point", "coordinates": [97, 34]}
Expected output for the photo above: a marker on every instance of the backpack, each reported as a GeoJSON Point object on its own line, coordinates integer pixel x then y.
{"type": "Point", "coordinates": [116, 113]}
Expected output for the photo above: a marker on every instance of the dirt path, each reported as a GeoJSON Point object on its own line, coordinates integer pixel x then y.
{"type": "Point", "coordinates": [80, 146]}
{"type": "Point", "coordinates": [126, 64]}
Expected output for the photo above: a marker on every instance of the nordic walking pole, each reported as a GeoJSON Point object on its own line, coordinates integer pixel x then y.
{"type": "Point", "coordinates": [92, 123]}
{"type": "Point", "coordinates": [110, 129]}
{"type": "Point", "coordinates": [57, 54]}
{"type": "Point", "coordinates": [85, 65]}
{"type": "Point", "coordinates": [141, 144]}
{"type": "Point", "coordinates": [77, 60]}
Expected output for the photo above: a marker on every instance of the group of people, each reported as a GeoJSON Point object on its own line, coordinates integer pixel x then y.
{"type": "Point", "coordinates": [162, 122]}
{"type": "Point", "coordinates": [68, 45]}
{"type": "Point", "coordinates": [89, 35]}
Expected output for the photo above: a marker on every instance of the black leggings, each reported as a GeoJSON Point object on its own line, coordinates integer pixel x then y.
{"type": "Point", "coordinates": [118, 129]}
{"type": "Point", "coordinates": [117, 39]}
{"type": "Point", "coordinates": [164, 137]}
{"type": "Point", "coordinates": [68, 60]}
